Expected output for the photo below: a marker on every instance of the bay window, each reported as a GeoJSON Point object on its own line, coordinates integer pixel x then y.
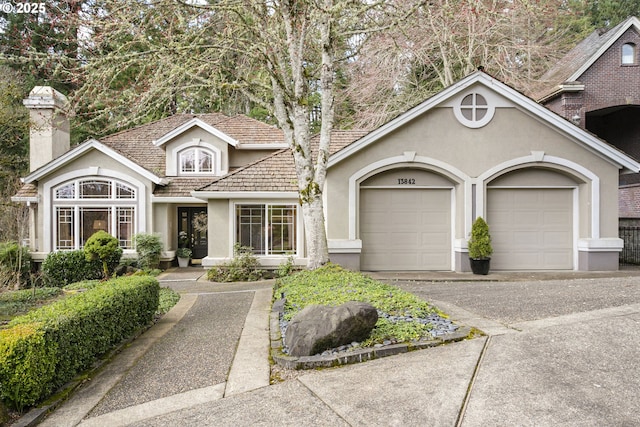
{"type": "Point", "coordinates": [269, 229]}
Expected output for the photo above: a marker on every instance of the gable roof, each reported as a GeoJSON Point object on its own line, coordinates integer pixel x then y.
{"type": "Point", "coordinates": [92, 144]}
{"type": "Point", "coordinates": [274, 173]}
{"type": "Point", "coordinates": [194, 122]}
{"type": "Point", "coordinates": [580, 58]}
{"type": "Point", "coordinates": [519, 101]}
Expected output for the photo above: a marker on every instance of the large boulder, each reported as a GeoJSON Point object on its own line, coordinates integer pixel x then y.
{"type": "Point", "coordinates": [319, 327]}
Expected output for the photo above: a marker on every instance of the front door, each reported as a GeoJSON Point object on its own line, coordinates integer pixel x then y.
{"type": "Point", "coordinates": [194, 222]}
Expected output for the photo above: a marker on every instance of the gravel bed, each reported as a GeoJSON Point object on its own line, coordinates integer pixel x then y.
{"type": "Point", "coordinates": [440, 327]}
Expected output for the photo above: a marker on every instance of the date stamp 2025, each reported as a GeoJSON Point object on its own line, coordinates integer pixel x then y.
{"type": "Point", "coordinates": [26, 7]}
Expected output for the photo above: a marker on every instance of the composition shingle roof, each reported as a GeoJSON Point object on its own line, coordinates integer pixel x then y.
{"type": "Point", "coordinates": [26, 192]}
{"type": "Point", "coordinates": [275, 172]}
{"type": "Point", "coordinates": [574, 59]}
{"type": "Point", "coordinates": [137, 143]}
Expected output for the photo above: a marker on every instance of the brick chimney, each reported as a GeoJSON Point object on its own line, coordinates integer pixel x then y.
{"type": "Point", "coordinates": [49, 125]}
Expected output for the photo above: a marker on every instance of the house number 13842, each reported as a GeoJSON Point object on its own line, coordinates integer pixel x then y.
{"type": "Point", "coordinates": [406, 181]}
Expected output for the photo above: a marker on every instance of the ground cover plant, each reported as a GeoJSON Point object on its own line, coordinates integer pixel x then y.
{"type": "Point", "coordinates": [243, 267]}
{"type": "Point", "coordinates": [14, 303]}
{"type": "Point", "coordinates": [332, 285]}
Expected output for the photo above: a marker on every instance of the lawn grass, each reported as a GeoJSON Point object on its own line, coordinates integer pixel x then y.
{"type": "Point", "coordinates": [332, 285]}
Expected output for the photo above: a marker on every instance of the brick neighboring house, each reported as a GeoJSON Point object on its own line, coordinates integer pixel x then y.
{"type": "Point", "coordinates": [597, 87]}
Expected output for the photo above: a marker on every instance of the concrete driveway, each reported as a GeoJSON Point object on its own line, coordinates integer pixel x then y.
{"type": "Point", "coordinates": [558, 352]}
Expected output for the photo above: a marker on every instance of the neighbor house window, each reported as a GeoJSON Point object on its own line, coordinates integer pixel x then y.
{"type": "Point", "coordinates": [269, 229]}
{"type": "Point", "coordinates": [196, 160]}
{"type": "Point", "coordinates": [84, 206]}
{"type": "Point", "coordinates": [628, 54]}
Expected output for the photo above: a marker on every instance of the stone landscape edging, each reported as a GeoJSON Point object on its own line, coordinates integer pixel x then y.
{"type": "Point", "coordinates": [351, 356]}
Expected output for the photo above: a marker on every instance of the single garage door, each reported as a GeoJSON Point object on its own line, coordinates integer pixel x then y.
{"type": "Point", "coordinates": [405, 229]}
{"type": "Point", "coordinates": [531, 229]}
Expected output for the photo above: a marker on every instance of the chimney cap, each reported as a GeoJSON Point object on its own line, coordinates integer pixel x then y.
{"type": "Point", "coordinates": [46, 97]}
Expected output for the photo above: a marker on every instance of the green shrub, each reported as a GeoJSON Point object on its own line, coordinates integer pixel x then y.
{"type": "Point", "coordinates": [480, 242]}
{"type": "Point", "coordinates": [65, 267]}
{"type": "Point", "coordinates": [149, 248]}
{"type": "Point", "coordinates": [80, 328]}
{"type": "Point", "coordinates": [82, 285]}
{"type": "Point", "coordinates": [27, 365]}
{"type": "Point", "coordinates": [104, 247]}
{"type": "Point", "coordinates": [15, 265]}
{"type": "Point", "coordinates": [286, 268]}
{"type": "Point", "coordinates": [184, 253]}
{"type": "Point", "coordinates": [244, 267]}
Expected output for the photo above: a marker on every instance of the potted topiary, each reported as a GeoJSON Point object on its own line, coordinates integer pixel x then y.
{"type": "Point", "coordinates": [184, 255]}
{"type": "Point", "coordinates": [480, 249]}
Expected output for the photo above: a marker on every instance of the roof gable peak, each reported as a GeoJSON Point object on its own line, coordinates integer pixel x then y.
{"type": "Point", "coordinates": [194, 122]}
{"type": "Point", "coordinates": [617, 32]}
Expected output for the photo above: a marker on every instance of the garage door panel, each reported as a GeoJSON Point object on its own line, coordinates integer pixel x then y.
{"type": "Point", "coordinates": [557, 239]}
{"type": "Point", "coordinates": [440, 239]}
{"type": "Point", "coordinates": [529, 238]}
{"type": "Point", "coordinates": [405, 229]}
{"type": "Point", "coordinates": [531, 229]}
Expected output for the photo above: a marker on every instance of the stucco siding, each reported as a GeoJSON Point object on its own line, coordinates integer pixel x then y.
{"type": "Point", "coordinates": [220, 226]}
{"type": "Point", "coordinates": [437, 135]}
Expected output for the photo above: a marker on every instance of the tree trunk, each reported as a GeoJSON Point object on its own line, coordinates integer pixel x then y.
{"type": "Point", "coordinates": [315, 232]}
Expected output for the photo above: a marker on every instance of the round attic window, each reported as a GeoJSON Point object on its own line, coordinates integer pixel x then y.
{"type": "Point", "coordinates": [474, 111]}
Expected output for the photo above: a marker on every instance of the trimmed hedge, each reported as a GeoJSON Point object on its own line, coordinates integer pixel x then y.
{"type": "Point", "coordinates": [27, 365]}
{"type": "Point", "coordinates": [65, 267]}
{"type": "Point", "coordinates": [49, 346]}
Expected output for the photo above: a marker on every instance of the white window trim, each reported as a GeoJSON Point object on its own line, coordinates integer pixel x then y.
{"type": "Point", "coordinates": [112, 204]}
{"type": "Point", "coordinates": [474, 124]}
{"type": "Point", "coordinates": [633, 54]}
{"type": "Point", "coordinates": [197, 153]}
{"type": "Point", "coordinates": [88, 173]}
{"type": "Point", "coordinates": [174, 168]}
{"type": "Point", "coordinates": [299, 227]}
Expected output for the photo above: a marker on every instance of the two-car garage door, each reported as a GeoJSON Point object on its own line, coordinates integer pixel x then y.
{"type": "Point", "coordinates": [410, 229]}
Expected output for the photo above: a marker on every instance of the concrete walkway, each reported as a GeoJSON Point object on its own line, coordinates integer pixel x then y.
{"type": "Point", "coordinates": [560, 351]}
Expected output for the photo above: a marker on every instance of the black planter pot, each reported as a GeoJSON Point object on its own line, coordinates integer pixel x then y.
{"type": "Point", "coordinates": [480, 266]}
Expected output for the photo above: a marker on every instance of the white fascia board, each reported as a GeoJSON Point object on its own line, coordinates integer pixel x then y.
{"type": "Point", "coordinates": [92, 144]}
{"type": "Point", "coordinates": [268, 146]}
{"type": "Point", "coordinates": [188, 125]}
{"type": "Point", "coordinates": [563, 88]}
{"type": "Point", "coordinates": [519, 100]}
{"type": "Point", "coordinates": [633, 21]}
{"type": "Point", "coordinates": [206, 195]}
{"type": "Point", "coordinates": [174, 199]}
{"type": "Point", "coordinates": [33, 199]}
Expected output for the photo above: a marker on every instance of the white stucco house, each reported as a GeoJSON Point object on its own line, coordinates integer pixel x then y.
{"type": "Point", "coordinates": [402, 197]}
